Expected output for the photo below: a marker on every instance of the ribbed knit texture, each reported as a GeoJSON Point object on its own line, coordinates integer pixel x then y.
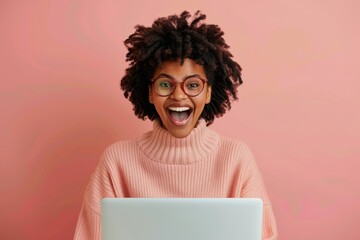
{"type": "Point", "coordinates": [158, 165]}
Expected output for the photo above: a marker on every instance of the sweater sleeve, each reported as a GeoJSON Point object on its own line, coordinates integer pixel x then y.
{"type": "Point", "coordinates": [99, 187]}
{"type": "Point", "coordinates": [89, 224]}
{"type": "Point", "coordinates": [253, 187]}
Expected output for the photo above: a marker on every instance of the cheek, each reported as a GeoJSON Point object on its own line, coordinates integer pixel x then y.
{"type": "Point", "coordinates": [158, 102]}
{"type": "Point", "coordinates": [200, 103]}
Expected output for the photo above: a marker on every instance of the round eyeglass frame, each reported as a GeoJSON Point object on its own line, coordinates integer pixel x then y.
{"type": "Point", "coordinates": [181, 85]}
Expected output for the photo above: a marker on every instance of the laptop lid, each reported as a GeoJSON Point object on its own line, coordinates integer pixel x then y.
{"type": "Point", "coordinates": [181, 218]}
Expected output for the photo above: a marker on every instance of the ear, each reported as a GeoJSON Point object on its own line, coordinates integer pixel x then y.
{"type": "Point", "coordinates": [208, 94]}
{"type": "Point", "coordinates": [150, 95]}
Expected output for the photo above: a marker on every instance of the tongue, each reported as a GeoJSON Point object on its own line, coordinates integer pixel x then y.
{"type": "Point", "coordinates": [179, 116]}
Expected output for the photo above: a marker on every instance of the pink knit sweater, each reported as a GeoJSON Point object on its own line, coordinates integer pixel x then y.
{"type": "Point", "coordinates": [159, 165]}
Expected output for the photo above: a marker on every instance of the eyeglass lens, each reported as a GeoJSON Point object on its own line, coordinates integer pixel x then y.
{"type": "Point", "coordinates": [166, 86]}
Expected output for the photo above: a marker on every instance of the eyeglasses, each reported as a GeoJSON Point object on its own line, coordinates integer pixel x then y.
{"type": "Point", "coordinates": [165, 86]}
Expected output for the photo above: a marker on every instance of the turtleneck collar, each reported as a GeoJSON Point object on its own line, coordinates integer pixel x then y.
{"type": "Point", "coordinates": [161, 146]}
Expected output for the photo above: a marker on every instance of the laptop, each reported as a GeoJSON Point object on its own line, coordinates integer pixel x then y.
{"type": "Point", "coordinates": [181, 218]}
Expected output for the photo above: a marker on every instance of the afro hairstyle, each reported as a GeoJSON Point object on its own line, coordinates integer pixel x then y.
{"type": "Point", "coordinates": [172, 38]}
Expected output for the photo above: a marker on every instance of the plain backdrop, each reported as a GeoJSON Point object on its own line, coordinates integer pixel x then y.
{"type": "Point", "coordinates": [60, 103]}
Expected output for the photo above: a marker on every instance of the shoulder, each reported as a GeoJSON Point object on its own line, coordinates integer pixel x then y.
{"type": "Point", "coordinates": [117, 151]}
{"type": "Point", "coordinates": [235, 151]}
{"type": "Point", "coordinates": [113, 158]}
{"type": "Point", "coordinates": [234, 145]}
{"type": "Point", "coordinates": [119, 146]}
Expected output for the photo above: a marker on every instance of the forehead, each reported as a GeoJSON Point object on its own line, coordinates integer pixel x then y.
{"type": "Point", "coordinates": [178, 70]}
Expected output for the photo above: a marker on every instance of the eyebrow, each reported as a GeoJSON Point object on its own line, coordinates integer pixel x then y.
{"type": "Point", "coordinates": [172, 78]}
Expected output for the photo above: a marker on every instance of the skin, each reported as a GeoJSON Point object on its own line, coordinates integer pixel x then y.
{"type": "Point", "coordinates": [178, 98]}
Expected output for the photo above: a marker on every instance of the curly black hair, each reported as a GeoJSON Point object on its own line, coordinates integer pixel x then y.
{"type": "Point", "coordinates": [173, 38]}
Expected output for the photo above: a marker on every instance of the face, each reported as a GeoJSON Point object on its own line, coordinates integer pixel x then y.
{"type": "Point", "coordinates": [179, 112]}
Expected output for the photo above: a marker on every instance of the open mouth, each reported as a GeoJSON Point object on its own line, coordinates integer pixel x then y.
{"type": "Point", "coordinates": [179, 115]}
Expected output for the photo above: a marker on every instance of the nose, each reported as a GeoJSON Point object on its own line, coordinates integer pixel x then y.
{"type": "Point", "coordinates": [178, 93]}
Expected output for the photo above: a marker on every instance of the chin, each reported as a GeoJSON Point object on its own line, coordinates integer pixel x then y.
{"type": "Point", "coordinates": [180, 134]}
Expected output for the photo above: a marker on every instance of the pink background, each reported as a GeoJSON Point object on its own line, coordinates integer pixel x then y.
{"type": "Point", "coordinates": [61, 62]}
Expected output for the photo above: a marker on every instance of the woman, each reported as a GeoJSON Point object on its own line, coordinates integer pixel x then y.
{"type": "Point", "coordinates": [181, 76]}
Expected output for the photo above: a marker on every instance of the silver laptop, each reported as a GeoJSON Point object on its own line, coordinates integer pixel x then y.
{"type": "Point", "coordinates": [181, 218]}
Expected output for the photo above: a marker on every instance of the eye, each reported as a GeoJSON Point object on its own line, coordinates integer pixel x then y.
{"type": "Point", "coordinates": [164, 83]}
{"type": "Point", "coordinates": [192, 84]}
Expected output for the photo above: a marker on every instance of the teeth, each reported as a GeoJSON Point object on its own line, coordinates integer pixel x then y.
{"type": "Point", "coordinates": [179, 109]}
